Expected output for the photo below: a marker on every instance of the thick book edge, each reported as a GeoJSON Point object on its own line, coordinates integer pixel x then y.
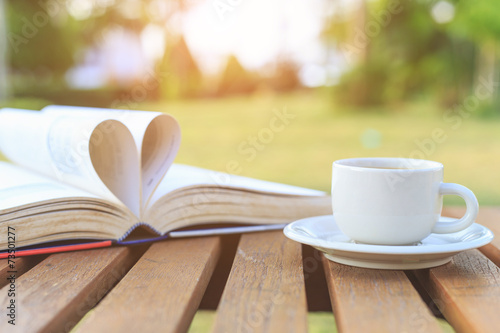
{"type": "Point", "coordinates": [51, 249]}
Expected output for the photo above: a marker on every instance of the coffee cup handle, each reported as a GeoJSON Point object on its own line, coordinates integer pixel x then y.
{"type": "Point", "coordinates": [470, 214]}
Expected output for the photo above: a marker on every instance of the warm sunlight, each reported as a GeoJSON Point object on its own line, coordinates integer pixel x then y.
{"type": "Point", "coordinates": [257, 32]}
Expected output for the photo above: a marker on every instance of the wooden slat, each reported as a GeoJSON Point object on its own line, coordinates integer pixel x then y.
{"type": "Point", "coordinates": [55, 294]}
{"type": "Point", "coordinates": [265, 291]}
{"type": "Point", "coordinates": [489, 217]}
{"type": "Point", "coordinates": [370, 300]}
{"type": "Point", "coordinates": [467, 291]}
{"type": "Point", "coordinates": [20, 266]}
{"type": "Point", "coordinates": [161, 293]}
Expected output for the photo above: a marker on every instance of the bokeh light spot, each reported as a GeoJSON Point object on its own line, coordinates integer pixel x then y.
{"type": "Point", "coordinates": [371, 138]}
{"type": "Point", "coordinates": [443, 12]}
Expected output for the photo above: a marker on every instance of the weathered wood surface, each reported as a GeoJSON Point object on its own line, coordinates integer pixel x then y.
{"type": "Point", "coordinates": [466, 291]}
{"type": "Point", "coordinates": [55, 294]}
{"type": "Point", "coordinates": [370, 300]}
{"type": "Point", "coordinates": [131, 289]}
{"type": "Point", "coordinates": [265, 290]}
{"type": "Point", "coordinates": [19, 266]}
{"type": "Point", "coordinates": [161, 293]}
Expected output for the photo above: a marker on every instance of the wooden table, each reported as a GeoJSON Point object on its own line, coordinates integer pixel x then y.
{"type": "Point", "coordinates": [256, 282]}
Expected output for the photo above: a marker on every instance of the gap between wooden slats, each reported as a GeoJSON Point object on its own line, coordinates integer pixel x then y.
{"type": "Point", "coordinates": [161, 293]}
{"type": "Point", "coordinates": [56, 293]}
{"type": "Point", "coordinates": [215, 287]}
{"type": "Point", "coordinates": [370, 300]}
{"type": "Point", "coordinates": [265, 291]}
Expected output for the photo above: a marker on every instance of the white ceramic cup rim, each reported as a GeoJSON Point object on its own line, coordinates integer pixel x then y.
{"type": "Point", "coordinates": [385, 164]}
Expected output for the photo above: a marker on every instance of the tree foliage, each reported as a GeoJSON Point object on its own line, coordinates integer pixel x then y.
{"type": "Point", "coordinates": [477, 20]}
{"type": "Point", "coordinates": [36, 39]}
{"type": "Point", "coordinates": [236, 79]}
{"type": "Point", "coordinates": [412, 55]}
{"type": "Point", "coordinates": [182, 77]}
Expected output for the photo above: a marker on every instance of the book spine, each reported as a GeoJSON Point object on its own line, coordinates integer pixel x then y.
{"type": "Point", "coordinates": [135, 226]}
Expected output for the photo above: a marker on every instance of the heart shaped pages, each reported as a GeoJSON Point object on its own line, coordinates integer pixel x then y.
{"type": "Point", "coordinates": [119, 155]}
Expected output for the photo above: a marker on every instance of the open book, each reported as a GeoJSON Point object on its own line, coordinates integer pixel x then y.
{"type": "Point", "coordinates": [81, 174]}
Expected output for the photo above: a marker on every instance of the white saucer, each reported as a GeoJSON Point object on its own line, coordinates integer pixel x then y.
{"type": "Point", "coordinates": [323, 233]}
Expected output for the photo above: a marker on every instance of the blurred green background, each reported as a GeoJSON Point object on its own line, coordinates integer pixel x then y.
{"type": "Point", "coordinates": [356, 78]}
{"type": "Point", "coordinates": [276, 89]}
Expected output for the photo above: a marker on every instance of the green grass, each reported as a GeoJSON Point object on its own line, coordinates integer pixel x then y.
{"type": "Point", "coordinates": [318, 322]}
{"type": "Point", "coordinates": [202, 321]}
{"type": "Point", "coordinates": [302, 152]}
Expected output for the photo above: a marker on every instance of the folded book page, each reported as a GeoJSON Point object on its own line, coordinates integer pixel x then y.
{"type": "Point", "coordinates": [59, 147]}
{"type": "Point", "coordinates": [156, 136]}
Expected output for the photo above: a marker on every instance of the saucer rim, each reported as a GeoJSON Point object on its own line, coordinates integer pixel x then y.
{"type": "Point", "coordinates": [388, 264]}
{"type": "Point", "coordinates": [289, 232]}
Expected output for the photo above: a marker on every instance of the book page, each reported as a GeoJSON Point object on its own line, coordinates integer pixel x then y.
{"type": "Point", "coordinates": [156, 137]}
{"type": "Point", "coordinates": [19, 130]}
{"type": "Point", "coordinates": [179, 176]}
{"type": "Point", "coordinates": [20, 187]}
{"type": "Point", "coordinates": [115, 160]}
{"type": "Point", "coordinates": [59, 147]}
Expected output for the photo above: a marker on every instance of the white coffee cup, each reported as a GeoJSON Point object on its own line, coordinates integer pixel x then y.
{"type": "Point", "coordinates": [394, 201]}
